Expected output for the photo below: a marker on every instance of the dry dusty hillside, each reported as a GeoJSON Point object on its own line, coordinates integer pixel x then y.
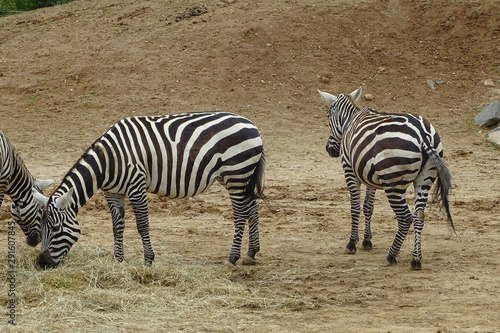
{"type": "Point", "coordinates": [68, 72]}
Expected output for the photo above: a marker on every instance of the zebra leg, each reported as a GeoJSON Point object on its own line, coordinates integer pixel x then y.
{"type": "Point", "coordinates": [354, 190]}
{"type": "Point", "coordinates": [116, 204]}
{"type": "Point", "coordinates": [239, 217]}
{"type": "Point", "coordinates": [368, 212]}
{"type": "Point", "coordinates": [418, 225]}
{"type": "Point", "coordinates": [397, 200]}
{"type": "Point", "coordinates": [139, 203]}
{"type": "Point", "coordinates": [422, 184]}
{"type": "Point", "coordinates": [253, 233]}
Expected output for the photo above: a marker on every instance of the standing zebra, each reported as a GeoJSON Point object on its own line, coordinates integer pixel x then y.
{"type": "Point", "coordinates": [17, 182]}
{"type": "Point", "coordinates": [387, 151]}
{"type": "Point", "coordinates": [175, 156]}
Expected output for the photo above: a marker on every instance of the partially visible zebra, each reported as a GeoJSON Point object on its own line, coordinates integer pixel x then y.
{"type": "Point", "coordinates": [17, 182]}
{"type": "Point", "coordinates": [387, 151]}
{"type": "Point", "coordinates": [175, 156]}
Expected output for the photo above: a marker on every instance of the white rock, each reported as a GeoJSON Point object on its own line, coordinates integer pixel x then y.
{"type": "Point", "coordinates": [494, 136]}
{"type": "Point", "coordinates": [489, 83]}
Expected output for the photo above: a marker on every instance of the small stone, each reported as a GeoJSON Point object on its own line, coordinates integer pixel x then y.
{"type": "Point", "coordinates": [430, 84]}
{"type": "Point", "coordinates": [369, 97]}
{"type": "Point", "coordinates": [489, 83]}
{"type": "Point", "coordinates": [382, 69]}
{"type": "Point", "coordinates": [324, 79]}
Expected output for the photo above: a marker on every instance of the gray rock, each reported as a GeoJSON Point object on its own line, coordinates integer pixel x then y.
{"type": "Point", "coordinates": [430, 84]}
{"type": "Point", "coordinates": [489, 116]}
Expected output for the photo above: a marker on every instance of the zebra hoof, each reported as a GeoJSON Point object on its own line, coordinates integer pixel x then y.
{"type": "Point", "coordinates": [248, 261]}
{"type": "Point", "coordinates": [347, 251]}
{"type": "Point", "coordinates": [232, 260]}
{"type": "Point", "coordinates": [229, 264]}
{"type": "Point", "coordinates": [148, 261]}
{"type": "Point", "coordinates": [367, 245]}
{"type": "Point", "coordinates": [416, 265]}
{"type": "Point", "coordinates": [391, 259]}
{"type": "Point", "coordinates": [350, 247]}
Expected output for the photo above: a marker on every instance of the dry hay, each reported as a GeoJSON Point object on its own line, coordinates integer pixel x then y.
{"type": "Point", "coordinates": [92, 290]}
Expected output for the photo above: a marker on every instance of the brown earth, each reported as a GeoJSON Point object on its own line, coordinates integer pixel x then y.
{"type": "Point", "coordinates": [68, 72]}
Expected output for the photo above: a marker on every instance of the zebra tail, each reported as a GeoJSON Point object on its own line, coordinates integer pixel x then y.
{"type": "Point", "coordinates": [255, 187]}
{"type": "Point", "coordinates": [443, 188]}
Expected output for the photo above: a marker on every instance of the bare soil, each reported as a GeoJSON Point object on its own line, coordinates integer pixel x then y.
{"type": "Point", "coordinates": [68, 72]}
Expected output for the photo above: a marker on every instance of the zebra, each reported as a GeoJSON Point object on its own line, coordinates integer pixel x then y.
{"type": "Point", "coordinates": [387, 151]}
{"type": "Point", "coordinates": [17, 182]}
{"type": "Point", "coordinates": [175, 156]}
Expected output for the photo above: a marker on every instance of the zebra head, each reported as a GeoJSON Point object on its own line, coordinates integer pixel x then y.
{"type": "Point", "coordinates": [59, 229]}
{"type": "Point", "coordinates": [26, 212]}
{"type": "Point", "coordinates": [336, 118]}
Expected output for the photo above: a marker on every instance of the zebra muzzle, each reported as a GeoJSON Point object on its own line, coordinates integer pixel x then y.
{"type": "Point", "coordinates": [332, 151]}
{"type": "Point", "coordinates": [45, 260]}
{"type": "Point", "coordinates": [33, 239]}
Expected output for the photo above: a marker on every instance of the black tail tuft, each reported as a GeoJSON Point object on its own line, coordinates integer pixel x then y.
{"type": "Point", "coordinates": [255, 188]}
{"type": "Point", "coordinates": [443, 188]}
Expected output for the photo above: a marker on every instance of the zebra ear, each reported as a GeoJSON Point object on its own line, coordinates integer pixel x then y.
{"type": "Point", "coordinates": [356, 94]}
{"type": "Point", "coordinates": [44, 183]}
{"type": "Point", "coordinates": [39, 197]}
{"type": "Point", "coordinates": [327, 97]}
{"type": "Point", "coordinates": [64, 200]}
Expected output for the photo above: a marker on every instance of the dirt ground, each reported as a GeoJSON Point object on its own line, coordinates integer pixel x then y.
{"type": "Point", "coordinates": [68, 72]}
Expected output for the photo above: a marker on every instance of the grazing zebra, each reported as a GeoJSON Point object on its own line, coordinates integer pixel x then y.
{"type": "Point", "coordinates": [175, 156]}
{"type": "Point", "coordinates": [387, 151]}
{"type": "Point", "coordinates": [17, 182]}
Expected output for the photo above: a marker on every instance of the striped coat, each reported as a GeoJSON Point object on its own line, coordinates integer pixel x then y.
{"type": "Point", "coordinates": [174, 156]}
{"type": "Point", "coordinates": [388, 152]}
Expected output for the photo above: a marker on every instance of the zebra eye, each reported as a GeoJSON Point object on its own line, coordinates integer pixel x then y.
{"type": "Point", "coordinates": [56, 227]}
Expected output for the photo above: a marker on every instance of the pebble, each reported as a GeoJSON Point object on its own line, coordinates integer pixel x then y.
{"type": "Point", "coordinates": [430, 84]}
{"type": "Point", "coordinates": [489, 83]}
{"type": "Point", "coordinates": [369, 97]}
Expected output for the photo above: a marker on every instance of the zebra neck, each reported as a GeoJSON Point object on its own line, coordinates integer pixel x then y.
{"type": "Point", "coordinates": [85, 178]}
{"type": "Point", "coordinates": [352, 116]}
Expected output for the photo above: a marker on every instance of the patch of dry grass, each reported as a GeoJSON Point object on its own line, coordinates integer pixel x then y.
{"type": "Point", "coordinates": [91, 292]}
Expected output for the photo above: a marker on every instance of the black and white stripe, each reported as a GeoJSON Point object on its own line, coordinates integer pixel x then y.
{"type": "Point", "coordinates": [387, 151]}
{"type": "Point", "coordinates": [175, 156]}
{"type": "Point", "coordinates": [17, 182]}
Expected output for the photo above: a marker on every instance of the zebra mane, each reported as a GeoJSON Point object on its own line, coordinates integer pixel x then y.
{"type": "Point", "coordinates": [372, 110]}
{"type": "Point", "coordinates": [382, 113]}
{"type": "Point", "coordinates": [354, 103]}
